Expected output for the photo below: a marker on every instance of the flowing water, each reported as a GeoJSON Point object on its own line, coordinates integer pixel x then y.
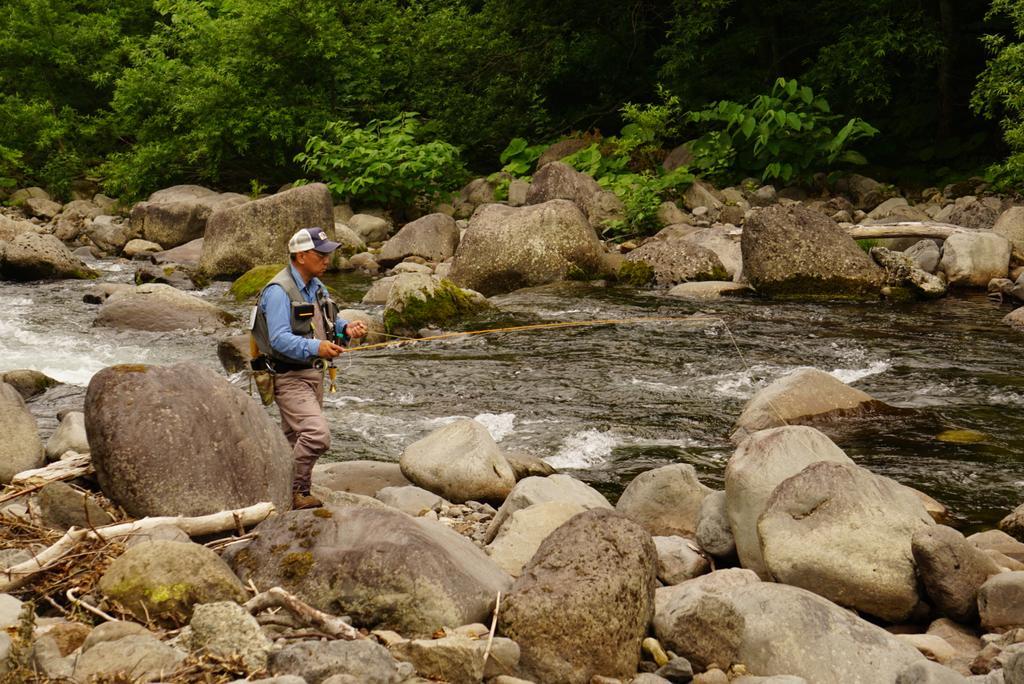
{"type": "Point", "coordinates": [608, 402]}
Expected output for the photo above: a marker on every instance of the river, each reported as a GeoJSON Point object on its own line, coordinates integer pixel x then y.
{"type": "Point", "coordinates": [605, 403]}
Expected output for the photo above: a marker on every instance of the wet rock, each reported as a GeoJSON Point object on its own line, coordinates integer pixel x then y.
{"type": "Point", "coordinates": [665, 500]}
{"type": "Point", "coordinates": [791, 251]}
{"type": "Point", "coordinates": [506, 248]}
{"type": "Point", "coordinates": [359, 477]}
{"type": "Point", "coordinates": [973, 259]}
{"type": "Point", "coordinates": [523, 532]}
{"type": "Point", "coordinates": [676, 261]}
{"type": "Point", "coordinates": [28, 383]}
{"type": "Point", "coordinates": [178, 276]}
{"type": "Point", "coordinates": [901, 271]}
{"type": "Point", "coordinates": [709, 289]}
{"type": "Point", "coordinates": [1013, 524]}
{"type": "Point", "coordinates": [61, 507]}
{"type": "Point", "coordinates": [240, 237]}
{"type": "Point", "coordinates": [21, 448]}
{"type": "Point", "coordinates": [317, 661]}
{"type": "Point", "coordinates": [164, 580]}
{"type": "Point", "coordinates": [951, 570]}
{"type": "Point", "coordinates": [434, 237]}
{"type": "Point", "coordinates": [146, 423]}
{"type": "Point", "coordinates": [591, 581]}
{"type": "Point", "coordinates": [417, 300]}
{"type": "Point", "coordinates": [845, 533]}
{"type": "Point", "coordinates": [1001, 600]}
{"type": "Point", "coordinates": [226, 629]}
{"type": "Point", "coordinates": [30, 256]}
{"type": "Point", "coordinates": [383, 568]}
{"type": "Point", "coordinates": [158, 307]}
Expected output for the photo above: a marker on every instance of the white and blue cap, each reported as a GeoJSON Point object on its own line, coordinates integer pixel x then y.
{"type": "Point", "coordinates": [311, 238]}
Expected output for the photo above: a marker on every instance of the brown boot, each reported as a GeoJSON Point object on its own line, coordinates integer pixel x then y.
{"type": "Point", "coordinates": [300, 501]}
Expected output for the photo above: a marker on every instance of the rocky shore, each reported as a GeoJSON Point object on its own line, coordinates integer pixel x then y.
{"type": "Point", "coordinates": [148, 539]}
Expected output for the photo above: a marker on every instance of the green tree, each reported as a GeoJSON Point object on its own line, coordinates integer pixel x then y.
{"type": "Point", "coordinates": [1000, 91]}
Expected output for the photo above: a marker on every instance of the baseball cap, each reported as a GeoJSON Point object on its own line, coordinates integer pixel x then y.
{"type": "Point", "coordinates": [311, 238]}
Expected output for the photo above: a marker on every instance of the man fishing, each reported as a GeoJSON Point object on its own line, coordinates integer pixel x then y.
{"type": "Point", "coordinates": [297, 333]}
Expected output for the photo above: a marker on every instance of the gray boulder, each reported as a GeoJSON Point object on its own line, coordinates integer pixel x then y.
{"type": "Point", "coordinates": [534, 490]}
{"type": "Point", "coordinates": [141, 248]}
{"type": "Point", "coordinates": [973, 259]}
{"type": "Point", "coordinates": [256, 233]}
{"type": "Point", "coordinates": [902, 271]}
{"type": "Point", "coordinates": [591, 582]}
{"type": "Point", "coordinates": [791, 251]}
{"type": "Point", "coordinates": [556, 180]}
{"type": "Point", "coordinates": [665, 500]}
{"type": "Point", "coordinates": [369, 228]}
{"type": "Point", "coordinates": [69, 436]}
{"type": "Point", "coordinates": [506, 248]}
{"type": "Point", "coordinates": [927, 672]}
{"type": "Point", "coordinates": [776, 629]}
{"type": "Point", "coordinates": [142, 657]}
{"type": "Point", "coordinates": [760, 464]}
{"type": "Point", "coordinates": [926, 255]}
{"type": "Point", "coordinates": [434, 237]}
{"type": "Point", "coordinates": [382, 567]}
{"type": "Point", "coordinates": [319, 661]}
{"type": "Point", "coordinates": [181, 440]}
{"type": "Point", "coordinates": [806, 395]}
{"type": "Point", "coordinates": [110, 233]}
{"type": "Point", "coordinates": [61, 506]}
{"type": "Point", "coordinates": [845, 533]}
{"type": "Point", "coordinates": [359, 477]}
{"type": "Point", "coordinates": [1010, 225]}
{"type": "Point", "coordinates": [524, 531]}
{"type": "Point", "coordinates": [163, 580]}
{"type": "Point", "coordinates": [176, 215]}
{"type": "Point", "coordinates": [676, 261]}
{"type": "Point", "coordinates": [21, 449]}
{"type": "Point", "coordinates": [461, 462]}
{"type": "Point", "coordinates": [157, 307]}
{"type": "Point", "coordinates": [31, 256]}
{"type": "Point", "coordinates": [379, 290]}
{"type": "Point", "coordinates": [679, 559]}
{"type": "Point", "coordinates": [951, 570]}
{"type": "Point", "coordinates": [225, 629]}
{"type": "Point", "coordinates": [971, 212]}
{"type": "Point", "coordinates": [1001, 601]}
{"type": "Point", "coordinates": [187, 254]}
{"type": "Point", "coordinates": [714, 532]}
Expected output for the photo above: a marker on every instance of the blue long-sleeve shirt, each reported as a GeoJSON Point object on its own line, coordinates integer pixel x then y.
{"type": "Point", "coordinates": [277, 308]}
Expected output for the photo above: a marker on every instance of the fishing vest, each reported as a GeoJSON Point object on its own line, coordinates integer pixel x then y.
{"type": "Point", "coordinates": [311, 321]}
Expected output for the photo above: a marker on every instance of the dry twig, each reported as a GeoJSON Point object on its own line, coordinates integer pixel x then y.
{"type": "Point", "coordinates": [325, 622]}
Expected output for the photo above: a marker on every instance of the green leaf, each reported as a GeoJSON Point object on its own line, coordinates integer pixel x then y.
{"type": "Point", "coordinates": [806, 94]}
{"type": "Point", "coordinates": [748, 125]}
{"type": "Point", "coordinates": [793, 120]}
{"type": "Point", "coordinates": [853, 157]}
{"type": "Point", "coordinates": [791, 87]}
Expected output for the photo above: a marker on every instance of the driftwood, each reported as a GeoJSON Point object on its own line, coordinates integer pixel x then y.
{"type": "Point", "coordinates": [17, 575]}
{"type": "Point", "coordinates": [64, 469]}
{"type": "Point", "coordinates": [325, 622]}
{"type": "Point", "coordinates": [918, 229]}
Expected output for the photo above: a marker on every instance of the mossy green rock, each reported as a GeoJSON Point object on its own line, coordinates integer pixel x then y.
{"type": "Point", "coordinates": [417, 300]}
{"type": "Point", "coordinates": [162, 580]}
{"type": "Point", "coordinates": [674, 261]}
{"type": "Point", "coordinates": [253, 281]}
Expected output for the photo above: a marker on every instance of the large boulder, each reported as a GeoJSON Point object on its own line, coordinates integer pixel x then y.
{"type": "Point", "coordinates": [177, 215]}
{"type": "Point", "coordinates": [775, 629]}
{"type": "Point", "coordinates": [665, 500]}
{"type": "Point", "coordinates": [69, 436]}
{"type": "Point", "coordinates": [718, 240]}
{"type": "Point", "coordinates": [534, 490]}
{"type": "Point", "coordinates": [238, 238]}
{"type": "Point", "coordinates": [433, 237]}
{"type": "Point", "coordinates": [762, 461]}
{"type": "Point", "coordinates": [359, 477]}
{"type": "Point", "coordinates": [21, 448]}
{"type": "Point", "coordinates": [973, 259]}
{"type": "Point", "coordinates": [460, 462]}
{"type": "Point", "coordinates": [382, 567]}
{"type": "Point", "coordinates": [676, 261]}
{"type": "Point", "coordinates": [525, 530]}
{"type": "Point", "coordinates": [10, 227]}
{"type": "Point", "coordinates": [181, 440]}
{"type": "Point", "coordinates": [162, 580]}
{"type": "Point", "coordinates": [591, 582]}
{"type": "Point", "coordinates": [845, 533]}
{"type": "Point", "coordinates": [951, 570]}
{"type": "Point", "coordinates": [31, 256]}
{"type": "Point", "coordinates": [557, 180]}
{"type": "Point", "coordinates": [506, 248]}
{"type": "Point", "coordinates": [792, 251]}
{"type": "Point", "coordinates": [336, 662]}
{"type": "Point", "coordinates": [972, 212]}
{"type": "Point", "coordinates": [807, 395]}
{"type": "Point", "coordinates": [416, 300]}
{"type": "Point", "coordinates": [158, 307]}
{"type": "Point", "coordinates": [143, 655]}
{"type": "Point", "coordinates": [1010, 225]}
{"type": "Point", "coordinates": [1001, 601]}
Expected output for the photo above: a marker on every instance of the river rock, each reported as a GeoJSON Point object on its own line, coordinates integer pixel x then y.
{"type": "Point", "coordinates": [458, 659]}
{"type": "Point", "coordinates": [38, 207]}
{"type": "Point", "coordinates": [369, 229]}
{"type": "Point", "coordinates": [433, 237]}
{"type": "Point", "coordinates": [359, 477]}
{"type": "Point", "coordinates": [718, 240]}
{"type": "Point", "coordinates": [29, 383]}
{"type": "Point", "coordinates": [927, 672]}
{"type": "Point", "coordinates": [347, 238]}
{"type": "Point", "coordinates": [679, 559]}
{"type": "Point", "coordinates": [69, 436]}
{"type": "Point", "coordinates": [379, 290]}
{"type": "Point", "coordinates": [240, 237]}
{"type": "Point", "coordinates": [714, 532]}
{"type": "Point", "coordinates": [409, 499]}
{"type": "Point", "coordinates": [973, 259]}
{"type": "Point", "coordinates": [1001, 601]}
{"type": "Point", "coordinates": [526, 465]}
{"type": "Point", "coordinates": [951, 570]}
{"type": "Point", "coordinates": [1013, 524]}
{"type": "Point", "coordinates": [181, 440]}
{"type": "Point", "coordinates": [709, 289]}
{"type": "Point", "coordinates": [1010, 225]}
{"type": "Point", "coordinates": [137, 247]}
{"type": "Point", "coordinates": [665, 500]}
{"type": "Point", "coordinates": [176, 215]}
{"type": "Point", "coordinates": [506, 248]}
{"type": "Point", "coordinates": [187, 254]}
{"type": "Point", "coordinates": [791, 251]}
{"type": "Point", "coordinates": [163, 580]}
{"type": "Point", "coordinates": [534, 490]}
{"type": "Point", "coordinates": [701, 194]}
{"type": "Point", "coordinates": [776, 629]}
{"type": "Point", "coordinates": [845, 533]}
{"type": "Point", "coordinates": [157, 307]}
{"type": "Point", "coordinates": [416, 300]}
{"type": "Point", "coordinates": [329, 662]}
{"type": "Point", "coordinates": [110, 233]}
{"type": "Point", "coordinates": [461, 462]}
{"type": "Point", "coordinates": [10, 228]}
{"type": "Point", "coordinates": [762, 461]}
{"type": "Point", "coordinates": [384, 568]}
{"type": "Point", "coordinates": [902, 271]}
{"type": "Point", "coordinates": [21, 448]}
{"type": "Point", "coordinates": [678, 261]}
{"type": "Point", "coordinates": [61, 506]}
{"type": "Point", "coordinates": [560, 150]}
{"type": "Point", "coordinates": [999, 542]}
{"type": "Point", "coordinates": [806, 395]}
{"type": "Point", "coordinates": [1015, 319]}
{"type": "Point", "coordinates": [971, 212]}
{"type": "Point", "coordinates": [925, 254]}
{"type": "Point", "coordinates": [591, 582]}
{"type": "Point", "coordinates": [31, 256]}
{"type": "Point", "coordinates": [234, 353]}
{"type": "Point", "coordinates": [524, 531]}
{"type": "Point", "coordinates": [143, 655]}
{"type": "Point", "coordinates": [559, 181]}
{"type": "Point", "coordinates": [226, 629]}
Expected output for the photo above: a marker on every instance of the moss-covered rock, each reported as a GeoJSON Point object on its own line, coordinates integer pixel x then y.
{"type": "Point", "coordinates": [253, 281]}
{"type": "Point", "coordinates": [417, 300]}
{"type": "Point", "coordinates": [29, 383]}
{"type": "Point", "coordinates": [635, 273]}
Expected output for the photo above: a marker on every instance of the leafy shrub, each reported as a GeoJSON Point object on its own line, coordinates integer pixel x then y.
{"type": "Point", "coordinates": [382, 162]}
{"type": "Point", "coordinates": [787, 134]}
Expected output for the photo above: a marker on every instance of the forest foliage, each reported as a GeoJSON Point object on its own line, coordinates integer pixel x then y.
{"type": "Point", "coordinates": [239, 94]}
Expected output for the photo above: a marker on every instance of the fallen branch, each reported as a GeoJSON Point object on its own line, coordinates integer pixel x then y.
{"type": "Point", "coordinates": [935, 231]}
{"type": "Point", "coordinates": [18, 574]}
{"type": "Point", "coordinates": [325, 622]}
{"type": "Point", "coordinates": [494, 625]}
{"type": "Point", "coordinates": [64, 469]}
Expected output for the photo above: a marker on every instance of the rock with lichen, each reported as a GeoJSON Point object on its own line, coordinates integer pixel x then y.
{"type": "Point", "coordinates": [416, 300]}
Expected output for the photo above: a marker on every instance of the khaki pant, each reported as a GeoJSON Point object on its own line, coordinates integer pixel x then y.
{"type": "Point", "coordinates": [300, 395]}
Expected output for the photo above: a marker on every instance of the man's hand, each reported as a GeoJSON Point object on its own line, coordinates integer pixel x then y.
{"type": "Point", "coordinates": [328, 350]}
{"type": "Point", "coordinates": [355, 329]}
